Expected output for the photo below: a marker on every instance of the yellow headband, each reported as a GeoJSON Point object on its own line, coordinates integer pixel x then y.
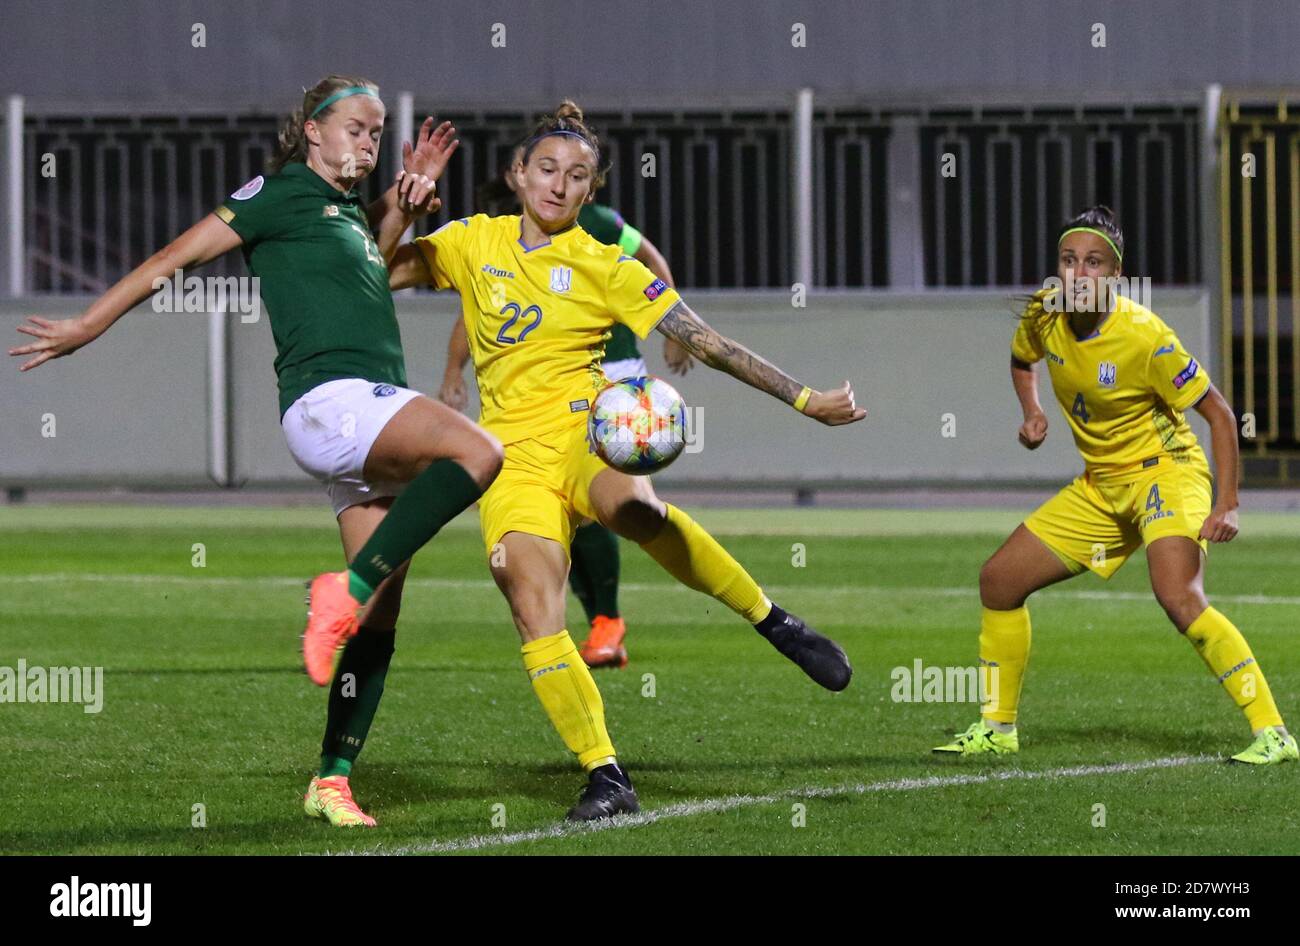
{"type": "Point", "coordinates": [1111, 243]}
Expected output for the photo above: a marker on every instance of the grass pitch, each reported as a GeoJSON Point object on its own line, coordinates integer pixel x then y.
{"type": "Point", "coordinates": [205, 704]}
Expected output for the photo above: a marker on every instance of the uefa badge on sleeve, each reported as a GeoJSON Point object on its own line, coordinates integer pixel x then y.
{"type": "Point", "coordinates": [251, 189]}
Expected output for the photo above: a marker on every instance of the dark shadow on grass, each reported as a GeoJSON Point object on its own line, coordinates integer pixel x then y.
{"type": "Point", "coordinates": [181, 839]}
{"type": "Point", "coordinates": [1162, 742]}
{"type": "Point", "coordinates": [291, 671]}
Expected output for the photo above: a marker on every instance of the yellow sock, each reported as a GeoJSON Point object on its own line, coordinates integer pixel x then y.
{"type": "Point", "coordinates": [1228, 656]}
{"type": "Point", "coordinates": [1004, 646]}
{"type": "Point", "coordinates": [563, 683]}
{"type": "Point", "coordinates": [695, 558]}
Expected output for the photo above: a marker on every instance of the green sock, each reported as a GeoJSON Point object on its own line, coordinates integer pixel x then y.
{"type": "Point", "coordinates": [331, 765]}
{"type": "Point", "coordinates": [354, 696]}
{"type": "Point", "coordinates": [431, 500]}
{"type": "Point", "coordinates": [359, 589]}
{"type": "Point", "coordinates": [579, 579]}
{"type": "Point", "coordinates": [595, 551]}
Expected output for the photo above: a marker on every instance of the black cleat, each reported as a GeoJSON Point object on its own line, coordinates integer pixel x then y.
{"type": "Point", "coordinates": [819, 657]}
{"type": "Point", "coordinates": [609, 792]}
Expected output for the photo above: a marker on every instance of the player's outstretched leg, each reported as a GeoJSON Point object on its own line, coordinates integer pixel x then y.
{"type": "Point", "coordinates": [628, 505]}
{"type": "Point", "coordinates": [358, 682]}
{"type": "Point", "coordinates": [593, 575]}
{"type": "Point", "coordinates": [446, 462]}
{"type": "Point", "coordinates": [1020, 567]}
{"type": "Point", "coordinates": [1176, 566]}
{"type": "Point", "coordinates": [530, 572]}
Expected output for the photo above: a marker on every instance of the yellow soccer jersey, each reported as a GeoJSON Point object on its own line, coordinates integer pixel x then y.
{"type": "Point", "coordinates": [538, 317]}
{"type": "Point", "coordinates": [1123, 389]}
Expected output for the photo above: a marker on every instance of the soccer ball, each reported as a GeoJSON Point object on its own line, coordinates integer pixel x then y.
{"type": "Point", "coordinates": [637, 425]}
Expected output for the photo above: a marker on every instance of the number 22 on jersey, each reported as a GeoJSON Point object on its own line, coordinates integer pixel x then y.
{"type": "Point", "coordinates": [528, 319]}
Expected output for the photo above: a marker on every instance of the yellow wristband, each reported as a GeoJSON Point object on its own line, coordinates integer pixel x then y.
{"type": "Point", "coordinates": [802, 400]}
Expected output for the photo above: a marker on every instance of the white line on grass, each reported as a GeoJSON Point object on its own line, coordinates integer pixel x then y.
{"type": "Point", "coordinates": [705, 806]}
{"type": "Point", "coordinates": [464, 584]}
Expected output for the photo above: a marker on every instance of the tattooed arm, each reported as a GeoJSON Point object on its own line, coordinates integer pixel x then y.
{"type": "Point", "coordinates": [717, 351]}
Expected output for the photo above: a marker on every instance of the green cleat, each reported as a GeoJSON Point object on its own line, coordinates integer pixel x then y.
{"type": "Point", "coordinates": [1269, 748]}
{"type": "Point", "coordinates": [979, 739]}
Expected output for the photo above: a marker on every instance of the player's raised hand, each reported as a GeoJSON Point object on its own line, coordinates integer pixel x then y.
{"type": "Point", "coordinates": [835, 407]}
{"type": "Point", "coordinates": [1033, 431]}
{"type": "Point", "coordinates": [416, 194]}
{"type": "Point", "coordinates": [1220, 526]}
{"type": "Point", "coordinates": [433, 149]}
{"type": "Point", "coordinates": [54, 339]}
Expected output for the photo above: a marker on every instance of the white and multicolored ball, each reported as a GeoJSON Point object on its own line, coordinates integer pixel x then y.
{"type": "Point", "coordinates": [638, 425]}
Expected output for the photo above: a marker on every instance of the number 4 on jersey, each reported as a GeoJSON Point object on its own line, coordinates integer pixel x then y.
{"type": "Point", "coordinates": [1153, 498]}
{"type": "Point", "coordinates": [1080, 410]}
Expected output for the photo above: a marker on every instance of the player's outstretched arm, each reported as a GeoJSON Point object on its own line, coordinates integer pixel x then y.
{"type": "Point", "coordinates": [1034, 429]}
{"type": "Point", "coordinates": [200, 244]}
{"type": "Point", "coordinates": [408, 268]}
{"type": "Point", "coordinates": [717, 351]}
{"type": "Point", "coordinates": [1221, 524]}
{"type": "Point", "coordinates": [675, 353]}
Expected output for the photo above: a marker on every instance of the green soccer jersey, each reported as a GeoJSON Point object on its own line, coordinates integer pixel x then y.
{"type": "Point", "coordinates": [608, 226]}
{"type": "Point", "coordinates": [323, 281]}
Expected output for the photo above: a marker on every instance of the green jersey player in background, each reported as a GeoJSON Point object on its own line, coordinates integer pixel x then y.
{"type": "Point", "coordinates": [594, 558]}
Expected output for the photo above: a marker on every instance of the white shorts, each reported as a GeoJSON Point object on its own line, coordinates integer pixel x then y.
{"type": "Point", "coordinates": [626, 368]}
{"type": "Point", "coordinates": [331, 429]}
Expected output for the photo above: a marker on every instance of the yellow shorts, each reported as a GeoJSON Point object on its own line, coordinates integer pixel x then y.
{"type": "Point", "coordinates": [1098, 522]}
{"type": "Point", "coordinates": [542, 488]}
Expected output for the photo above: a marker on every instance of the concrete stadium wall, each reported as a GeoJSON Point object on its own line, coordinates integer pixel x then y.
{"type": "Point", "coordinates": [132, 408]}
{"type": "Point", "coordinates": [611, 52]}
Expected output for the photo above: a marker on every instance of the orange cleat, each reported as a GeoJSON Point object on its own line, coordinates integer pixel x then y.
{"type": "Point", "coordinates": [331, 620]}
{"type": "Point", "coordinates": [331, 799]}
{"type": "Point", "coordinates": [604, 644]}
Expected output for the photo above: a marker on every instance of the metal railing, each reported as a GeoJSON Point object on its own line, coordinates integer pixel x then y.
{"type": "Point", "coordinates": [1259, 197]}
{"type": "Point", "coordinates": [736, 198]}
{"type": "Point", "coordinates": [105, 192]}
{"type": "Point", "coordinates": [833, 195]}
{"type": "Point", "coordinates": [1001, 182]}
{"type": "Point", "coordinates": [712, 189]}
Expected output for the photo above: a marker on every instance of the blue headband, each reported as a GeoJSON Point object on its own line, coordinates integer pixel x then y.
{"type": "Point", "coordinates": [341, 94]}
